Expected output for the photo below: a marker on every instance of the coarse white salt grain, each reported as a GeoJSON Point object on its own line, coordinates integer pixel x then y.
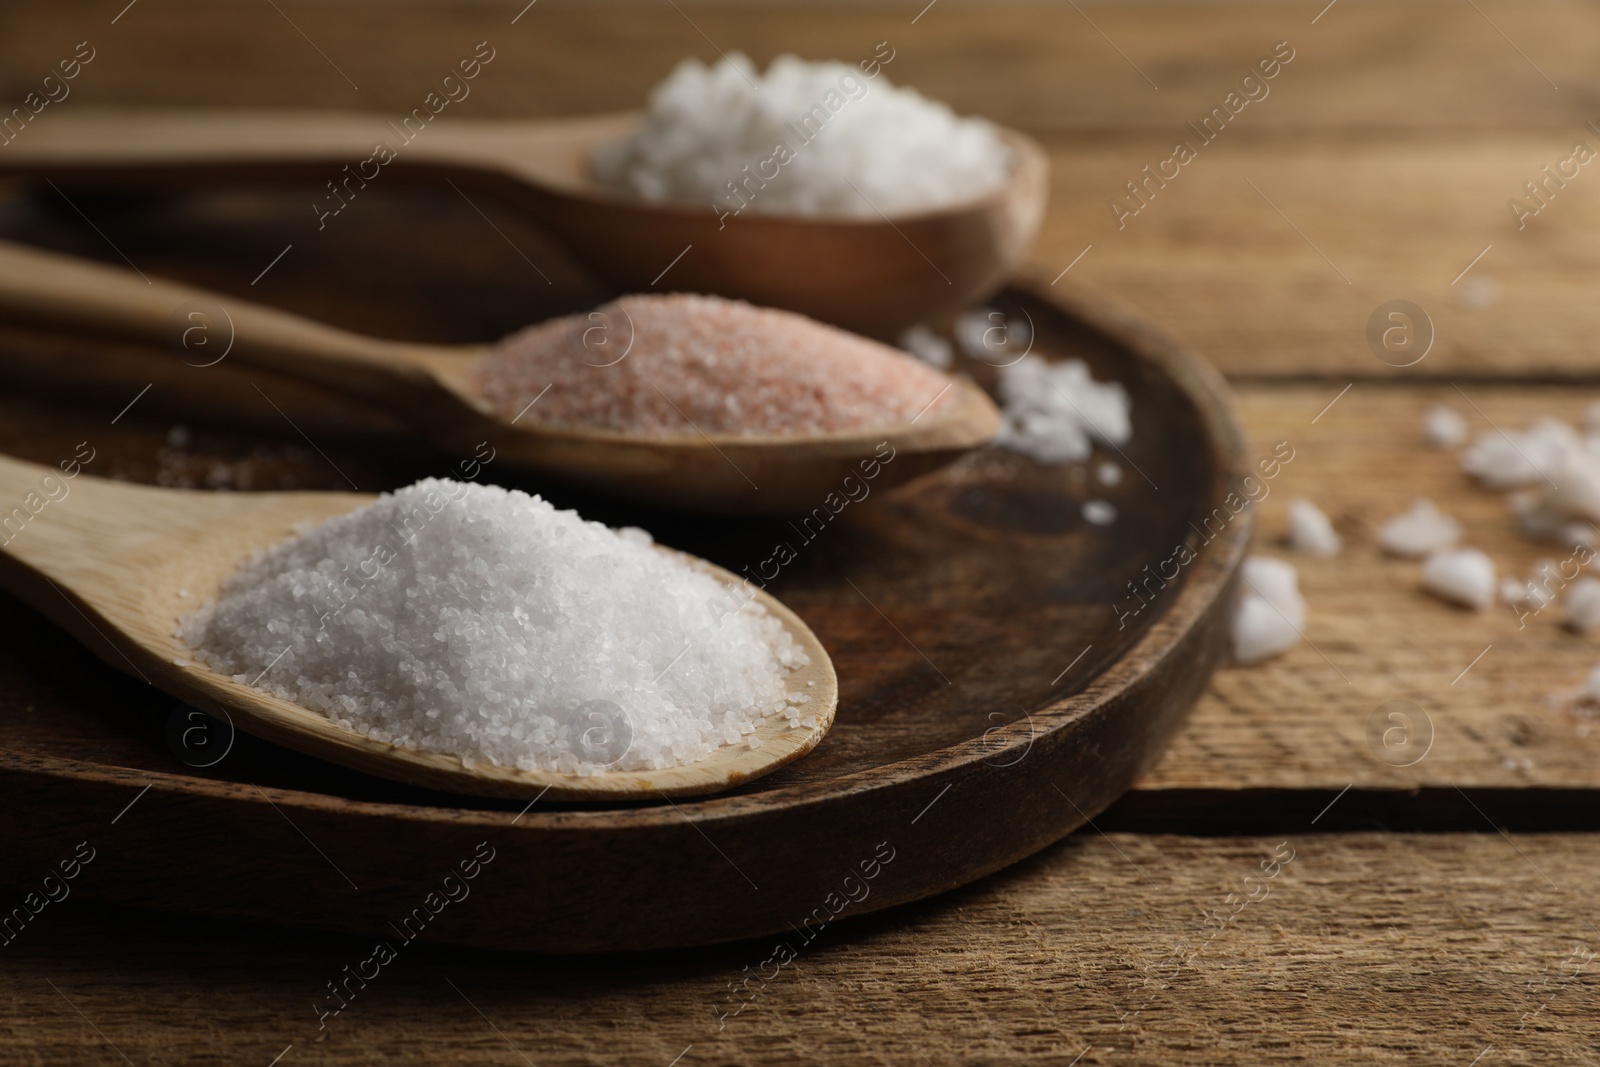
{"type": "Point", "coordinates": [1443, 427]}
{"type": "Point", "coordinates": [484, 623]}
{"type": "Point", "coordinates": [1537, 591]}
{"type": "Point", "coordinates": [1506, 460]}
{"type": "Point", "coordinates": [1100, 512]}
{"type": "Point", "coordinates": [1108, 473]}
{"type": "Point", "coordinates": [815, 139]}
{"type": "Point", "coordinates": [1421, 530]}
{"type": "Point", "coordinates": [1310, 531]}
{"type": "Point", "coordinates": [1271, 612]}
{"type": "Point", "coordinates": [1581, 610]}
{"type": "Point", "coordinates": [682, 365]}
{"type": "Point", "coordinates": [1054, 411]}
{"type": "Point", "coordinates": [1462, 576]}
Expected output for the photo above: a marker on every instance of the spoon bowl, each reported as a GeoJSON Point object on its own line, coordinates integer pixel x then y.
{"type": "Point", "coordinates": [117, 566]}
{"type": "Point", "coordinates": [875, 275]}
{"type": "Point", "coordinates": [433, 388]}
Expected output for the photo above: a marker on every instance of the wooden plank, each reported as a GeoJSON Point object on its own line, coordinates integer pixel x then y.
{"type": "Point", "coordinates": [1362, 65]}
{"type": "Point", "coordinates": [1271, 252]}
{"type": "Point", "coordinates": [1359, 949]}
{"type": "Point", "coordinates": [1391, 171]}
{"type": "Point", "coordinates": [1301, 721]}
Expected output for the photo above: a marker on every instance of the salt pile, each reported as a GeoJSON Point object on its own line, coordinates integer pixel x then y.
{"type": "Point", "coordinates": [816, 139]}
{"type": "Point", "coordinates": [1054, 411]}
{"type": "Point", "coordinates": [681, 365]}
{"type": "Point", "coordinates": [1271, 612]}
{"type": "Point", "coordinates": [1463, 576]}
{"type": "Point", "coordinates": [1421, 530]}
{"type": "Point", "coordinates": [481, 622]}
{"type": "Point", "coordinates": [1310, 531]}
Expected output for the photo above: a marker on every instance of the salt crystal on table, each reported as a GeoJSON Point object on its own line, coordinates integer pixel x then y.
{"type": "Point", "coordinates": [1271, 613]}
{"type": "Point", "coordinates": [1582, 606]}
{"type": "Point", "coordinates": [1462, 576]}
{"type": "Point", "coordinates": [1108, 473]}
{"type": "Point", "coordinates": [1506, 460]}
{"type": "Point", "coordinates": [1443, 427]}
{"type": "Point", "coordinates": [1310, 531]}
{"type": "Point", "coordinates": [1419, 531]}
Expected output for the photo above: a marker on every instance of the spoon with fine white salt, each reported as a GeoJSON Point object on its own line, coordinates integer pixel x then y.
{"type": "Point", "coordinates": [440, 391]}
{"type": "Point", "coordinates": [117, 566]}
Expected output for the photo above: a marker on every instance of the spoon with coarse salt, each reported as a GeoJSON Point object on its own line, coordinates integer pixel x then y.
{"type": "Point", "coordinates": [590, 400]}
{"type": "Point", "coordinates": [117, 566]}
{"type": "Point", "coordinates": [876, 275]}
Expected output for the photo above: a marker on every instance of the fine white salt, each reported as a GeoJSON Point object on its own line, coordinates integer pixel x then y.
{"type": "Point", "coordinates": [1581, 610]}
{"type": "Point", "coordinates": [1462, 576]}
{"type": "Point", "coordinates": [482, 622]}
{"type": "Point", "coordinates": [816, 139]}
{"type": "Point", "coordinates": [1055, 411]}
{"type": "Point", "coordinates": [1108, 473]}
{"type": "Point", "coordinates": [1271, 612]}
{"type": "Point", "coordinates": [1444, 427]}
{"type": "Point", "coordinates": [1419, 531]}
{"type": "Point", "coordinates": [1310, 531]}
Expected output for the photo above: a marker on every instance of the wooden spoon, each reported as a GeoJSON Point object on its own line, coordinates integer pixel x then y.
{"type": "Point", "coordinates": [107, 562]}
{"type": "Point", "coordinates": [875, 275]}
{"type": "Point", "coordinates": [433, 388]}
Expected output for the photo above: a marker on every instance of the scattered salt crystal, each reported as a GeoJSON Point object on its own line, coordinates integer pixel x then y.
{"type": "Point", "coordinates": [472, 620]}
{"type": "Point", "coordinates": [1108, 473]}
{"type": "Point", "coordinates": [1419, 531]}
{"type": "Point", "coordinates": [817, 139]}
{"type": "Point", "coordinates": [1566, 505]}
{"type": "Point", "coordinates": [689, 356]}
{"type": "Point", "coordinates": [990, 335]}
{"type": "Point", "coordinates": [1444, 427]}
{"type": "Point", "coordinates": [1271, 612]}
{"type": "Point", "coordinates": [1053, 411]}
{"type": "Point", "coordinates": [1582, 606]}
{"type": "Point", "coordinates": [1463, 576]}
{"type": "Point", "coordinates": [178, 437]}
{"type": "Point", "coordinates": [1310, 531]}
{"type": "Point", "coordinates": [1506, 460]}
{"type": "Point", "coordinates": [927, 346]}
{"type": "Point", "coordinates": [1099, 512]}
{"type": "Point", "coordinates": [184, 593]}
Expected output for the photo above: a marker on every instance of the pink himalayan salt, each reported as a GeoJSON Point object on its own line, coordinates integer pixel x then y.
{"type": "Point", "coordinates": [703, 363]}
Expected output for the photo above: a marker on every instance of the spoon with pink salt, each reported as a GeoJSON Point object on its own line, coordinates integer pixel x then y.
{"type": "Point", "coordinates": [692, 402]}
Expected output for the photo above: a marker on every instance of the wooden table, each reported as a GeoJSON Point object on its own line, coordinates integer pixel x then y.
{"type": "Point", "coordinates": [1438, 912]}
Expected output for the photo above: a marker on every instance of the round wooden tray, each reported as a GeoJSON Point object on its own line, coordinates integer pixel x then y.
{"type": "Point", "coordinates": [992, 699]}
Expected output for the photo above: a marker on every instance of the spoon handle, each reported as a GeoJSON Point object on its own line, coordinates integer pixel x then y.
{"type": "Point", "coordinates": [83, 298]}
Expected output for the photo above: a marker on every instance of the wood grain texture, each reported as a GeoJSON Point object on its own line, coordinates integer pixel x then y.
{"type": "Point", "coordinates": [1393, 140]}
{"type": "Point", "coordinates": [1363, 949]}
{"type": "Point", "coordinates": [1373, 636]}
{"type": "Point", "coordinates": [969, 616]}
